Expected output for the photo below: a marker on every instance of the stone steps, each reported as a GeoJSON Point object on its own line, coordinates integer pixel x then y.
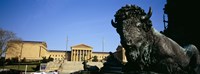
{"type": "Point", "coordinates": [54, 65]}
{"type": "Point", "coordinates": [67, 67]}
{"type": "Point", "coordinates": [71, 67]}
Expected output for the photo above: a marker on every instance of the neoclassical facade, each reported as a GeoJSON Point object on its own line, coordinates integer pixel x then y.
{"type": "Point", "coordinates": [81, 52]}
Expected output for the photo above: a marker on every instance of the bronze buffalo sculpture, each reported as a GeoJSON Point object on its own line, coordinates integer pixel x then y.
{"type": "Point", "coordinates": [147, 50]}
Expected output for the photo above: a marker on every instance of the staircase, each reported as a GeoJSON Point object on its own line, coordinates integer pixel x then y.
{"type": "Point", "coordinates": [53, 65]}
{"type": "Point", "coordinates": [71, 67]}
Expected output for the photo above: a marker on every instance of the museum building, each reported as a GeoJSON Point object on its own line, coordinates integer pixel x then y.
{"type": "Point", "coordinates": [36, 50]}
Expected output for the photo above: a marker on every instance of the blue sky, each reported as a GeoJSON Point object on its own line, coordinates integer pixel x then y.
{"type": "Point", "coordinates": [81, 21]}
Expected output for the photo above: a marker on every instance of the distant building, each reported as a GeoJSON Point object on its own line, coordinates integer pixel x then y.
{"type": "Point", "coordinates": [36, 50]}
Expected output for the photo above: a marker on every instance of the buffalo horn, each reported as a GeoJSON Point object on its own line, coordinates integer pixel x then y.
{"type": "Point", "coordinates": [113, 23]}
{"type": "Point", "coordinates": [145, 17]}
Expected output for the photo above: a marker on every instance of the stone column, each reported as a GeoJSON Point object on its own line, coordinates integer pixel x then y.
{"type": "Point", "coordinates": [76, 55]}
{"type": "Point", "coordinates": [73, 55]}
{"type": "Point", "coordinates": [84, 55]}
{"type": "Point", "coordinates": [79, 55]}
{"type": "Point", "coordinates": [90, 53]}
{"type": "Point", "coordinates": [87, 54]}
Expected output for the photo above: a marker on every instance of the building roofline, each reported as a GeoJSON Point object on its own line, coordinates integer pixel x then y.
{"type": "Point", "coordinates": [28, 41]}
{"type": "Point", "coordinates": [35, 41]}
{"type": "Point", "coordinates": [101, 52]}
{"type": "Point", "coordinates": [58, 51]}
{"type": "Point", "coordinates": [44, 43]}
{"type": "Point", "coordinates": [81, 45]}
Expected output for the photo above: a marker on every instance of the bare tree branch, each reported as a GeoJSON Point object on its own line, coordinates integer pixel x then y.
{"type": "Point", "coordinates": [5, 37]}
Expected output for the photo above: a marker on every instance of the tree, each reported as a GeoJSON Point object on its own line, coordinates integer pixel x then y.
{"type": "Point", "coordinates": [95, 59]}
{"type": "Point", "coordinates": [6, 36]}
{"type": "Point", "coordinates": [2, 60]}
{"type": "Point", "coordinates": [50, 59]}
{"type": "Point", "coordinates": [24, 60]}
{"type": "Point", "coordinates": [45, 60]}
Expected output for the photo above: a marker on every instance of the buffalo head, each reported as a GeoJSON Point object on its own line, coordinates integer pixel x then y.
{"type": "Point", "coordinates": [132, 24]}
